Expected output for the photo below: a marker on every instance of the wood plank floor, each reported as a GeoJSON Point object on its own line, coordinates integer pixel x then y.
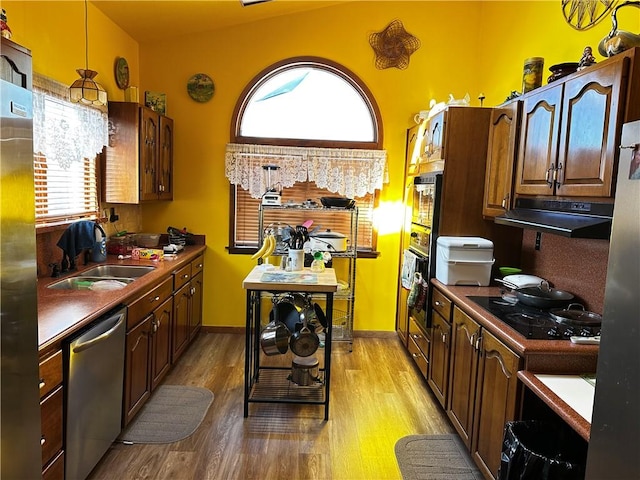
{"type": "Point", "coordinates": [377, 397]}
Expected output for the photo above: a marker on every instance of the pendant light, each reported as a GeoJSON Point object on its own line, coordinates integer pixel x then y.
{"type": "Point", "coordinates": [86, 90]}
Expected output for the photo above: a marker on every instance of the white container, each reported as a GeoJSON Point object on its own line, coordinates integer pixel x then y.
{"type": "Point", "coordinates": [464, 260]}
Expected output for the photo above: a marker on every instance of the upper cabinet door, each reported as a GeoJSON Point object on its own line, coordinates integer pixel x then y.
{"type": "Point", "coordinates": [539, 142]}
{"type": "Point", "coordinates": [149, 152]}
{"type": "Point", "coordinates": [433, 140]}
{"type": "Point", "coordinates": [592, 112]}
{"type": "Point", "coordinates": [165, 164]}
{"type": "Point", "coordinates": [501, 155]}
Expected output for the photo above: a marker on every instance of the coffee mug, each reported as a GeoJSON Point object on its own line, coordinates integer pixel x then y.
{"type": "Point", "coordinates": [296, 260]}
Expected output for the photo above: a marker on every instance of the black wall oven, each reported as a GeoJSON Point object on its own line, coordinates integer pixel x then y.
{"type": "Point", "coordinates": [421, 255]}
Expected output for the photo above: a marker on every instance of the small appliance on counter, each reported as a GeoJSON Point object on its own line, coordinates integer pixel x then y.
{"type": "Point", "coordinates": [464, 260]}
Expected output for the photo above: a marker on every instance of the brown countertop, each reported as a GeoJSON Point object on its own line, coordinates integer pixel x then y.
{"type": "Point", "coordinates": [62, 312]}
{"type": "Point", "coordinates": [542, 356]}
{"type": "Point", "coordinates": [563, 401]}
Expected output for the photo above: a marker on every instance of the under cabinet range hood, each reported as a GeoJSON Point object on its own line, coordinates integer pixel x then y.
{"type": "Point", "coordinates": [567, 218]}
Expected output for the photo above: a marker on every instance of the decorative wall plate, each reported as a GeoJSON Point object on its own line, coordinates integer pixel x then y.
{"type": "Point", "coordinates": [393, 46]}
{"type": "Point", "coordinates": [200, 87]}
{"type": "Point", "coordinates": [581, 14]}
{"type": "Point", "coordinates": [122, 73]}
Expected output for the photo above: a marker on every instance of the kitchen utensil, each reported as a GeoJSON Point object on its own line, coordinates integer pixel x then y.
{"type": "Point", "coordinates": [522, 280]}
{"type": "Point", "coordinates": [577, 315]}
{"type": "Point", "coordinates": [543, 296]}
{"type": "Point", "coordinates": [287, 313]}
{"type": "Point", "coordinates": [337, 202]}
{"type": "Point", "coordinates": [274, 338]}
{"type": "Point", "coordinates": [618, 41]}
{"type": "Point", "coordinates": [304, 342]}
{"type": "Point", "coordinates": [305, 371]}
{"type": "Point", "coordinates": [328, 241]}
{"type": "Point", "coordinates": [147, 240]}
{"type": "Point", "coordinates": [322, 318]}
{"type": "Point", "coordinates": [509, 270]}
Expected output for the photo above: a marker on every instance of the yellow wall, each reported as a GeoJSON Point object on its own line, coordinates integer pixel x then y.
{"type": "Point", "coordinates": [466, 47]}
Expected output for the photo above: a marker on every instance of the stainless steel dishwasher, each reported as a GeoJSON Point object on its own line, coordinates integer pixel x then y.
{"type": "Point", "coordinates": [95, 377]}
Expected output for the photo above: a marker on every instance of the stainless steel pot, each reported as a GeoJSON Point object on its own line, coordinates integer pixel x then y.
{"type": "Point", "coordinates": [305, 371]}
{"type": "Point", "coordinates": [274, 338]}
{"type": "Point", "coordinates": [304, 342]}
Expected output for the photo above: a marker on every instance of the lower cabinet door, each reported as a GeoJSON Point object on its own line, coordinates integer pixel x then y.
{"type": "Point", "coordinates": [196, 306]}
{"type": "Point", "coordinates": [496, 400]}
{"type": "Point", "coordinates": [161, 342]}
{"type": "Point", "coordinates": [181, 321]}
{"type": "Point", "coordinates": [51, 408]}
{"type": "Point", "coordinates": [137, 385]}
{"type": "Point", "coordinates": [464, 368]}
{"type": "Point", "coordinates": [439, 365]}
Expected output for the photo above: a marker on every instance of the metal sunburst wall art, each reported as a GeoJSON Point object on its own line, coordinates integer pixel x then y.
{"type": "Point", "coordinates": [393, 46]}
{"type": "Point", "coordinates": [584, 14]}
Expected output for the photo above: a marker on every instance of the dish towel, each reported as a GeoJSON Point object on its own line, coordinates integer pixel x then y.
{"type": "Point", "coordinates": [77, 237]}
{"type": "Point", "coordinates": [408, 268]}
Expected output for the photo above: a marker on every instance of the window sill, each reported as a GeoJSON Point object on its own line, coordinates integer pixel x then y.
{"type": "Point", "coordinates": [252, 250]}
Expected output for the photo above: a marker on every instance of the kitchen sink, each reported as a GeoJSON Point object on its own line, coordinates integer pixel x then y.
{"type": "Point", "coordinates": [84, 282]}
{"type": "Point", "coordinates": [127, 271]}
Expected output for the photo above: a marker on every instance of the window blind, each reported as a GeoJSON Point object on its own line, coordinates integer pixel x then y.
{"type": "Point", "coordinates": [67, 138]}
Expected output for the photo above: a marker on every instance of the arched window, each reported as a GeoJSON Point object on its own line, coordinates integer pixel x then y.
{"type": "Point", "coordinates": [319, 124]}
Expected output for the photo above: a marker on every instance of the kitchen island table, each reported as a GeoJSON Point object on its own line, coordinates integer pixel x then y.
{"type": "Point", "coordinates": [268, 383]}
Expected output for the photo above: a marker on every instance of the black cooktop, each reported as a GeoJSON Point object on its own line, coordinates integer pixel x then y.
{"type": "Point", "coordinates": [533, 323]}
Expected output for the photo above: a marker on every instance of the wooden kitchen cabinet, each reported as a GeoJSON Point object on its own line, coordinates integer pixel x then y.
{"type": "Point", "coordinates": [418, 344]}
{"type": "Point", "coordinates": [148, 346]}
{"type": "Point", "coordinates": [51, 415]}
{"type": "Point", "coordinates": [501, 158]}
{"type": "Point", "coordinates": [438, 375]}
{"type": "Point", "coordinates": [463, 373]}
{"type": "Point", "coordinates": [482, 390]}
{"type": "Point", "coordinates": [138, 163]}
{"type": "Point", "coordinates": [496, 401]}
{"type": "Point", "coordinates": [187, 306]}
{"type": "Point", "coordinates": [433, 145]}
{"type": "Point", "coordinates": [568, 137]}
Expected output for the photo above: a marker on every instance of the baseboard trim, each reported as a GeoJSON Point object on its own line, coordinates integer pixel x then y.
{"type": "Point", "coordinates": [356, 333]}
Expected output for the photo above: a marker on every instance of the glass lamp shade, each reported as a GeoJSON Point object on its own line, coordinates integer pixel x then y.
{"type": "Point", "coordinates": [86, 90]}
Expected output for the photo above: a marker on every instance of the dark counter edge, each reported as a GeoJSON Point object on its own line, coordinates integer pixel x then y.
{"type": "Point", "coordinates": [103, 302]}
{"type": "Point", "coordinates": [572, 418]}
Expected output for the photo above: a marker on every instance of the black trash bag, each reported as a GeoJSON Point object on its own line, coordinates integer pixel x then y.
{"type": "Point", "coordinates": [539, 450]}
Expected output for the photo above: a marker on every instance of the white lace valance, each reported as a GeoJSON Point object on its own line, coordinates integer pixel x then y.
{"type": "Point", "coordinates": [65, 132]}
{"type": "Point", "coordinates": [348, 172]}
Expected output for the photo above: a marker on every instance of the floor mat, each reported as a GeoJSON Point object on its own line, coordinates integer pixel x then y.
{"type": "Point", "coordinates": [435, 457]}
{"type": "Point", "coordinates": [172, 413]}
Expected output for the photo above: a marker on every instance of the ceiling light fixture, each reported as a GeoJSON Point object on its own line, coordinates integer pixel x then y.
{"type": "Point", "coordinates": [246, 3]}
{"type": "Point", "coordinates": [86, 90]}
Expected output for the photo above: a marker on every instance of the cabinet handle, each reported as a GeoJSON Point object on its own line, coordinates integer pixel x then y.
{"type": "Point", "coordinates": [472, 340]}
{"type": "Point", "coordinates": [199, 265]}
{"type": "Point", "coordinates": [555, 175]}
{"type": "Point", "coordinates": [438, 304]}
{"type": "Point", "coordinates": [504, 202]}
{"type": "Point", "coordinates": [42, 383]}
{"type": "Point", "coordinates": [186, 275]}
{"type": "Point", "coordinates": [154, 299]}
{"type": "Point", "coordinates": [633, 147]}
{"type": "Point", "coordinates": [415, 355]}
{"type": "Point", "coordinates": [478, 342]}
{"type": "Point", "coordinates": [416, 336]}
{"type": "Point", "coordinates": [43, 440]}
{"type": "Point", "coordinates": [548, 177]}
{"type": "Point", "coordinates": [444, 338]}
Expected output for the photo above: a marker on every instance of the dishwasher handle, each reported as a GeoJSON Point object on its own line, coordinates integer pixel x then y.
{"type": "Point", "coordinates": [81, 346]}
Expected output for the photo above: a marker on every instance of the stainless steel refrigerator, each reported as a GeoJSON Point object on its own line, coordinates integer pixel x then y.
{"type": "Point", "coordinates": [20, 454]}
{"type": "Point", "coordinates": [615, 429]}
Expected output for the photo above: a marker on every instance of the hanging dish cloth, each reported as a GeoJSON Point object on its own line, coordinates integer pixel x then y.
{"type": "Point", "coordinates": [408, 268]}
{"type": "Point", "coordinates": [77, 237]}
{"type": "Point", "coordinates": [415, 290]}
